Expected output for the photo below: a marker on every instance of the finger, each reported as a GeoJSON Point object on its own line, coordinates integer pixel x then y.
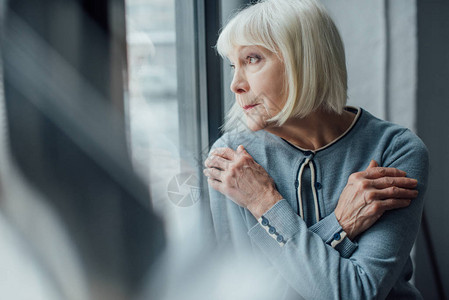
{"type": "Point", "coordinates": [216, 185]}
{"type": "Point", "coordinates": [227, 153]}
{"type": "Point", "coordinates": [372, 164]}
{"type": "Point", "coordinates": [392, 193]}
{"type": "Point", "coordinates": [241, 150]}
{"type": "Point", "coordinates": [390, 204]}
{"type": "Point", "coordinates": [379, 172]}
{"type": "Point", "coordinates": [218, 162]}
{"type": "Point", "coordinates": [386, 182]}
{"type": "Point", "coordinates": [213, 173]}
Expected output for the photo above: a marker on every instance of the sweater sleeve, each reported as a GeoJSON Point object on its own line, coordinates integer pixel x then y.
{"type": "Point", "coordinates": [316, 271]}
{"type": "Point", "coordinates": [329, 230]}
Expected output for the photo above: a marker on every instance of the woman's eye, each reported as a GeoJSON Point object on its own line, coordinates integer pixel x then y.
{"type": "Point", "coordinates": [232, 66]}
{"type": "Point", "coordinates": [252, 59]}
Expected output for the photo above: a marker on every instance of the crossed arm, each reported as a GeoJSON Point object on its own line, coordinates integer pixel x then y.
{"type": "Point", "coordinates": [365, 198]}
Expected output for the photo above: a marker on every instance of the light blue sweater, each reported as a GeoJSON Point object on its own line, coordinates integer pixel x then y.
{"type": "Point", "coordinates": [298, 252]}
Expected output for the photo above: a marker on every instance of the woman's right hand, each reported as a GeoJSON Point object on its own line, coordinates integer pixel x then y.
{"type": "Point", "coordinates": [368, 194]}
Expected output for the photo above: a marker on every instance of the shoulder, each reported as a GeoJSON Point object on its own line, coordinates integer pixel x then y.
{"type": "Point", "coordinates": [380, 128]}
{"type": "Point", "coordinates": [406, 140]}
{"type": "Point", "coordinates": [408, 152]}
{"type": "Point", "coordinates": [401, 148]}
{"type": "Point", "coordinates": [395, 139]}
{"type": "Point", "coordinates": [248, 139]}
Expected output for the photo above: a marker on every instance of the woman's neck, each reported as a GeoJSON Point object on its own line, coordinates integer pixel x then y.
{"type": "Point", "coordinates": [315, 131]}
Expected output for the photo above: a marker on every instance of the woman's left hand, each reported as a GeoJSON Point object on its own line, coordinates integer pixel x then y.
{"type": "Point", "coordinates": [236, 175]}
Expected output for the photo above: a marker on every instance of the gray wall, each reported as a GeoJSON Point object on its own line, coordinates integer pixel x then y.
{"type": "Point", "coordinates": [433, 109]}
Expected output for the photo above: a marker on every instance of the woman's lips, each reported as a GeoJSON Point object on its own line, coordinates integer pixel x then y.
{"type": "Point", "coordinates": [248, 107]}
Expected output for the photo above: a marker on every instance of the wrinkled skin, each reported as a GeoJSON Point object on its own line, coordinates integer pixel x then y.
{"type": "Point", "coordinates": [368, 194]}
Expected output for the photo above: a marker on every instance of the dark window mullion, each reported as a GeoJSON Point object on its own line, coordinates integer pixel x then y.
{"type": "Point", "coordinates": [213, 70]}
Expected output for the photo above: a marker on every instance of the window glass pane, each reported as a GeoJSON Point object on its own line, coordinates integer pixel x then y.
{"type": "Point", "coordinates": [168, 119]}
{"type": "Point", "coordinates": [152, 104]}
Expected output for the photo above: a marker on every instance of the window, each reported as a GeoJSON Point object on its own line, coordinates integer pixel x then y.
{"type": "Point", "coordinates": [170, 115]}
{"type": "Point", "coordinates": [152, 102]}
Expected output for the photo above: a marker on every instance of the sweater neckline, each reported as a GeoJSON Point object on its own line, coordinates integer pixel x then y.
{"type": "Point", "coordinates": [358, 113]}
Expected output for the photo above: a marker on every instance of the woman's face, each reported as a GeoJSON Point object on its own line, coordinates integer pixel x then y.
{"type": "Point", "coordinates": [258, 84]}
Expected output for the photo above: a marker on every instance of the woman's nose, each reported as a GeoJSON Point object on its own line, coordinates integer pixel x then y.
{"type": "Point", "coordinates": [239, 84]}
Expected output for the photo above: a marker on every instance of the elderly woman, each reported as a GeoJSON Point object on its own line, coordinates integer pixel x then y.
{"type": "Point", "coordinates": [337, 213]}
